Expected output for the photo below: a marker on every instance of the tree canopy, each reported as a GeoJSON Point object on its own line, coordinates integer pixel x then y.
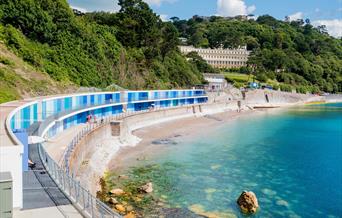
{"type": "Point", "coordinates": [132, 48]}
{"type": "Point", "coordinates": [292, 52]}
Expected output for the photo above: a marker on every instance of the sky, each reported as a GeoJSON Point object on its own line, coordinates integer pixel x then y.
{"type": "Point", "coordinates": [320, 12]}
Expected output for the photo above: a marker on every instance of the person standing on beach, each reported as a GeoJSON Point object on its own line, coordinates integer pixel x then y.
{"type": "Point", "coordinates": [239, 106]}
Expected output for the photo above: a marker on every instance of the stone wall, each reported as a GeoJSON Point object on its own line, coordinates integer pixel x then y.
{"type": "Point", "coordinates": [277, 98]}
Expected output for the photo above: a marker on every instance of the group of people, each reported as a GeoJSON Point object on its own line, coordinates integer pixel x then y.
{"type": "Point", "coordinates": [91, 118]}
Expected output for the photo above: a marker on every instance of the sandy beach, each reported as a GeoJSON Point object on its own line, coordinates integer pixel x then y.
{"type": "Point", "coordinates": [156, 138]}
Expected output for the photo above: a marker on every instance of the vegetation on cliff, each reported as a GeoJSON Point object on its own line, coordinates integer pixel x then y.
{"type": "Point", "coordinates": [19, 79]}
{"type": "Point", "coordinates": [132, 48]}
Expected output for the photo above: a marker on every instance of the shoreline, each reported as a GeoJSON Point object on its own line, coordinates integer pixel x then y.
{"type": "Point", "coordinates": [158, 138]}
{"type": "Point", "coordinates": [146, 135]}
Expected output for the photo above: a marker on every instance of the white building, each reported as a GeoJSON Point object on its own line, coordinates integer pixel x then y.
{"type": "Point", "coordinates": [216, 82]}
{"type": "Point", "coordinates": [220, 58]}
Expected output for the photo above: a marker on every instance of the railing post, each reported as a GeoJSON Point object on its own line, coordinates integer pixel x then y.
{"type": "Point", "coordinates": [83, 198]}
{"type": "Point", "coordinates": [76, 190]}
{"type": "Point", "coordinates": [91, 204]}
{"type": "Point", "coordinates": [69, 184]}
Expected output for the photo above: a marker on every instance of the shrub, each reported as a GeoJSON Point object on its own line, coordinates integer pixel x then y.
{"type": "Point", "coordinates": [285, 88]}
{"type": "Point", "coordinates": [301, 89]}
{"type": "Point", "coordinates": [275, 87]}
{"type": "Point", "coordinates": [261, 77]}
{"type": "Point", "coordinates": [5, 61]}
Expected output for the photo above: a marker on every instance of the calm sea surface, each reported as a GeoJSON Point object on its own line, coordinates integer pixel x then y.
{"type": "Point", "coordinates": [292, 160]}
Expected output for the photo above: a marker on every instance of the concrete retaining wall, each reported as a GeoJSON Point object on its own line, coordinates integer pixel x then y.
{"type": "Point", "coordinates": [87, 146]}
{"type": "Point", "coordinates": [258, 97]}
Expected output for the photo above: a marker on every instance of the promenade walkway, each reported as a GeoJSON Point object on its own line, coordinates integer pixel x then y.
{"type": "Point", "coordinates": [41, 194]}
{"type": "Point", "coordinates": [5, 110]}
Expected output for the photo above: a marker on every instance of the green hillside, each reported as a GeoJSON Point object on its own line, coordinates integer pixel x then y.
{"type": "Point", "coordinates": [18, 79]}
{"type": "Point", "coordinates": [132, 48]}
{"type": "Point", "coordinates": [294, 53]}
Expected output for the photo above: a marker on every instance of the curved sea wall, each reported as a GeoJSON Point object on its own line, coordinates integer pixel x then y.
{"type": "Point", "coordinates": [95, 162]}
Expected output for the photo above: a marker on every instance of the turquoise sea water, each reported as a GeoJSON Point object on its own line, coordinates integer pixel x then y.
{"type": "Point", "coordinates": [292, 160]}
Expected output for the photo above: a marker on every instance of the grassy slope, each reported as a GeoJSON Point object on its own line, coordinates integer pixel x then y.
{"type": "Point", "coordinates": [20, 80]}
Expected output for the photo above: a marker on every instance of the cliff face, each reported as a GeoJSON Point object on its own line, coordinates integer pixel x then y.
{"type": "Point", "coordinates": [19, 80]}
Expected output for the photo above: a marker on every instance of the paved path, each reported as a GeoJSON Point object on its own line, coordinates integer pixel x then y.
{"type": "Point", "coordinates": [42, 197]}
{"type": "Point", "coordinates": [5, 109]}
{"type": "Point", "coordinates": [56, 146]}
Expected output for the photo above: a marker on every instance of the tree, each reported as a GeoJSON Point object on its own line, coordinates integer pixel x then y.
{"type": "Point", "coordinates": [27, 16]}
{"type": "Point", "coordinates": [322, 29]}
{"type": "Point", "coordinates": [175, 19]}
{"type": "Point", "coordinates": [139, 26]}
{"type": "Point", "coordinates": [170, 38]}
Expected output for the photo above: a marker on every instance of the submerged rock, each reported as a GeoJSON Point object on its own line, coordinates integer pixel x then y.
{"type": "Point", "coordinates": [113, 201]}
{"type": "Point", "coordinates": [282, 203]}
{"type": "Point", "coordinates": [130, 215]}
{"type": "Point", "coordinates": [129, 208]}
{"type": "Point", "coordinates": [164, 142]}
{"type": "Point", "coordinates": [123, 177]}
{"type": "Point", "coordinates": [200, 211]}
{"type": "Point", "coordinates": [147, 188]}
{"type": "Point", "coordinates": [117, 191]}
{"type": "Point", "coordinates": [177, 213]}
{"type": "Point", "coordinates": [120, 208]}
{"type": "Point", "coordinates": [248, 202]}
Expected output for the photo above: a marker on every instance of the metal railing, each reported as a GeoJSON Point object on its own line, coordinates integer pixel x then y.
{"type": "Point", "coordinates": [82, 199]}
{"type": "Point", "coordinates": [165, 97]}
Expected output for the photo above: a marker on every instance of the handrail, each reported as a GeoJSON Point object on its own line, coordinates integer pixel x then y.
{"type": "Point", "coordinates": [87, 204]}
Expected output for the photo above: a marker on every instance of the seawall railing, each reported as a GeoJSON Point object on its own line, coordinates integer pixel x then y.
{"type": "Point", "coordinates": [82, 199]}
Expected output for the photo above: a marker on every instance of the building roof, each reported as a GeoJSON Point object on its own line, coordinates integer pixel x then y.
{"type": "Point", "coordinates": [216, 75]}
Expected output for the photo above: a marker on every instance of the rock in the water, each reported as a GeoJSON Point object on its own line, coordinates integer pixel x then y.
{"type": "Point", "coordinates": [113, 201]}
{"type": "Point", "coordinates": [117, 191]}
{"type": "Point", "coordinates": [130, 215]}
{"type": "Point", "coordinates": [129, 208]}
{"type": "Point", "coordinates": [120, 208]}
{"type": "Point", "coordinates": [248, 202]}
{"type": "Point", "coordinates": [147, 188]}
